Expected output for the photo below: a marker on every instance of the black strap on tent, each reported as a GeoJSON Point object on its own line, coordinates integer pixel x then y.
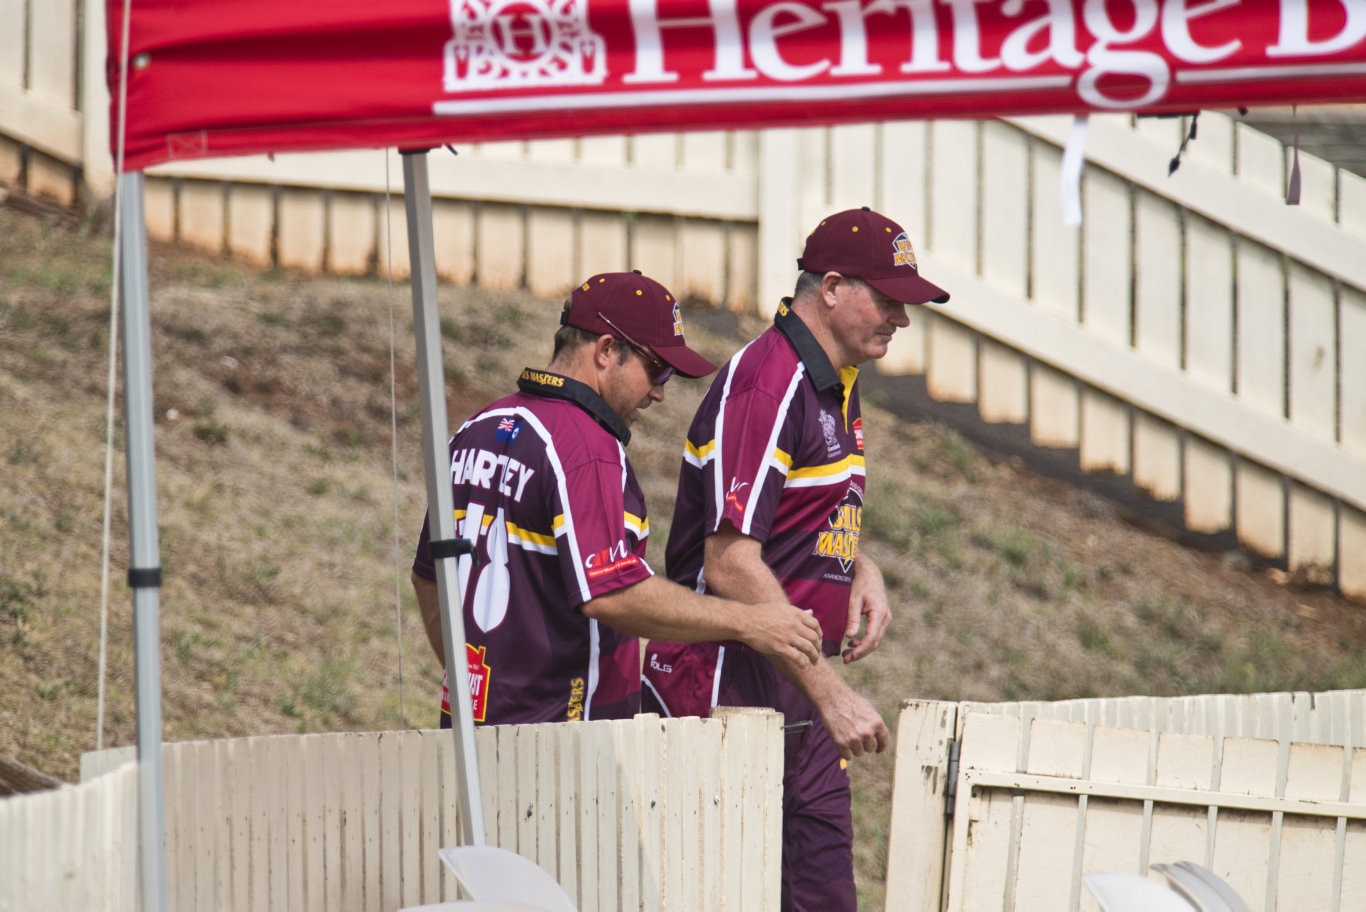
{"type": "Point", "coordinates": [144, 577]}
{"type": "Point", "coordinates": [449, 547]}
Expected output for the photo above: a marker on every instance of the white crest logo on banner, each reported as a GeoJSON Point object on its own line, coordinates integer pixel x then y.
{"type": "Point", "coordinates": [499, 44]}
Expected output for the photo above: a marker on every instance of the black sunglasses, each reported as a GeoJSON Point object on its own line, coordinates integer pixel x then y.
{"type": "Point", "coordinates": [660, 373]}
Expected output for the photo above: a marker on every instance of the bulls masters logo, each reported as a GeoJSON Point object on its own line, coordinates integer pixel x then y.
{"type": "Point", "coordinates": [840, 539]}
{"type": "Point", "coordinates": [499, 44]}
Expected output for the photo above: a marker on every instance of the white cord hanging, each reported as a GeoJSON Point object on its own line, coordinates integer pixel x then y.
{"type": "Point", "coordinates": [393, 438]}
{"type": "Point", "coordinates": [110, 382]}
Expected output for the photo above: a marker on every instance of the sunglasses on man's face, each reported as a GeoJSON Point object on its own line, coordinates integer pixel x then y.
{"type": "Point", "coordinates": [659, 372]}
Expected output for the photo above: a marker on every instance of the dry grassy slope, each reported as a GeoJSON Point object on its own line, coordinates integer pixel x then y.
{"type": "Point", "coordinates": [286, 528]}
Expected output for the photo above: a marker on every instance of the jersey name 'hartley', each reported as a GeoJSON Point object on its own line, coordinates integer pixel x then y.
{"type": "Point", "coordinates": [478, 467]}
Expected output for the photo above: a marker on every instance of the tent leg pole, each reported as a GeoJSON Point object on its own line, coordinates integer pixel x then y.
{"type": "Point", "coordinates": [144, 566]}
{"type": "Point", "coordinates": [417, 199]}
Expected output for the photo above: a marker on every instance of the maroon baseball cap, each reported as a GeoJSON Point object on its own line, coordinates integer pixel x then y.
{"type": "Point", "coordinates": [635, 308]}
{"type": "Point", "coordinates": [863, 244]}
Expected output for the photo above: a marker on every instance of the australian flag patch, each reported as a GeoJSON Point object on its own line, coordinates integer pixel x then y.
{"type": "Point", "coordinates": [508, 429]}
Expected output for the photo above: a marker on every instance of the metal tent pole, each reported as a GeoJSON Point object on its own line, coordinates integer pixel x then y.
{"type": "Point", "coordinates": [144, 566]}
{"type": "Point", "coordinates": [417, 199]}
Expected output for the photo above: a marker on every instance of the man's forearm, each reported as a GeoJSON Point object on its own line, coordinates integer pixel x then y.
{"type": "Point", "coordinates": [656, 608]}
{"type": "Point", "coordinates": [429, 603]}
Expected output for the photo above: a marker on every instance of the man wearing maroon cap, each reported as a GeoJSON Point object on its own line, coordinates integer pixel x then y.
{"type": "Point", "coordinates": [559, 591]}
{"type": "Point", "coordinates": [770, 504]}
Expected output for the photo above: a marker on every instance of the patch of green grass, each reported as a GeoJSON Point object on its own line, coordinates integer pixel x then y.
{"type": "Point", "coordinates": [953, 451]}
{"type": "Point", "coordinates": [1266, 663]}
{"type": "Point", "coordinates": [1169, 619]}
{"type": "Point", "coordinates": [64, 522]}
{"type": "Point", "coordinates": [204, 275]}
{"type": "Point", "coordinates": [19, 599]}
{"type": "Point", "coordinates": [1015, 546]}
{"type": "Point", "coordinates": [67, 278]}
{"type": "Point", "coordinates": [194, 648]}
{"type": "Point", "coordinates": [911, 522]}
{"type": "Point", "coordinates": [22, 451]}
{"type": "Point", "coordinates": [264, 574]}
{"type": "Point", "coordinates": [1348, 673]}
{"type": "Point", "coordinates": [349, 437]}
{"type": "Point", "coordinates": [1072, 576]}
{"type": "Point", "coordinates": [331, 324]}
{"type": "Point", "coordinates": [210, 432]}
{"type": "Point", "coordinates": [318, 696]}
{"type": "Point", "coordinates": [1030, 563]}
{"type": "Point", "coordinates": [511, 315]}
{"type": "Point", "coordinates": [1094, 637]}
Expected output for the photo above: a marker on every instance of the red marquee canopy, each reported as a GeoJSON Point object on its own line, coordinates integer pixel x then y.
{"type": "Point", "coordinates": [249, 76]}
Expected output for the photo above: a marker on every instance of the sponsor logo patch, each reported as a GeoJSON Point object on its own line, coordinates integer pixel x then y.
{"type": "Point", "coordinates": [840, 539]}
{"type": "Point", "coordinates": [830, 428]}
{"type": "Point", "coordinates": [733, 495]}
{"type": "Point", "coordinates": [480, 674]}
{"type": "Point", "coordinates": [609, 560]}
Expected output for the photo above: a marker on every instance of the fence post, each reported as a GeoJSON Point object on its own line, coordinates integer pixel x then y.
{"type": "Point", "coordinates": [920, 790]}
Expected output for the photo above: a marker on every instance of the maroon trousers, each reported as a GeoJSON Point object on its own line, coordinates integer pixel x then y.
{"type": "Point", "coordinates": [818, 830]}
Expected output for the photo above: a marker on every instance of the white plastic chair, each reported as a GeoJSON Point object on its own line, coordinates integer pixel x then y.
{"type": "Point", "coordinates": [471, 906]}
{"type": "Point", "coordinates": [497, 880]}
{"type": "Point", "coordinates": [1192, 888]}
{"type": "Point", "coordinates": [1123, 891]}
{"type": "Point", "coordinates": [1201, 886]}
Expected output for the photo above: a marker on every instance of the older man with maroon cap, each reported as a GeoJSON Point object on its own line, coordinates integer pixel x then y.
{"type": "Point", "coordinates": [560, 591]}
{"type": "Point", "coordinates": [770, 504]}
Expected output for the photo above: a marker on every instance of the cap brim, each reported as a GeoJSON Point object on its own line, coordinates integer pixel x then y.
{"type": "Point", "coordinates": [910, 289]}
{"type": "Point", "coordinates": [684, 360]}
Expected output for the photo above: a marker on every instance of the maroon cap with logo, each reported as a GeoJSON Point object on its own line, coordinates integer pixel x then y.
{"type": "Point", "coordinates": [863, 244]}
{"type": "Point", "coordinates": [635, 308]}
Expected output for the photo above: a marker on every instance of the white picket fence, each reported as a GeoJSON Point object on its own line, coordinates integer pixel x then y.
{"type": "Point", "coordinates": [646, 814]}
{"type": "Point", "coordinates": [75, 847]}
{"type": "Point", "coordinates": [1266, 790]}
{"type": "Point", "coordinates": [995, 806]}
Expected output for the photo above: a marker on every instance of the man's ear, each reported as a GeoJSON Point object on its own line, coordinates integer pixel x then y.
{"type": "Point", "coordinates": [829, 282]}
{"type": "Point", "coordinates": [602, 351]}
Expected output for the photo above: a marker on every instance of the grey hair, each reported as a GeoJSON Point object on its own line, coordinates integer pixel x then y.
{"type": "Point", "coordinates": [810, 282]}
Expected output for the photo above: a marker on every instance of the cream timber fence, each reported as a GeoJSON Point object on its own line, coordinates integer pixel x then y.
{"type": "Point", "coordinates": [74, 847]}
{"type": "Point", "coordinates": [1266, 790]}
{"type": "Point", "coordinates": [1195, 336]}
{"type": "Point", "coordinates": [645, 814]}
{"type": "Point", "coordinates": [995, 806]}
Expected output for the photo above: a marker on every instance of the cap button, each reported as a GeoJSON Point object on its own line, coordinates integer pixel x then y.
{"type": "Point", "coordinates": [865, 209]}
{"type": "Point", "coordinates": [636, 271]}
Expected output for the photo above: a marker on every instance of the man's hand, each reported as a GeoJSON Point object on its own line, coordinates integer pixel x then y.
{"type": "Point", "coordinates": [784, 631]}
{"type": "Point", "coordinates": [854, 725]}
{"type": "Point", "coordinates": [867, 598]}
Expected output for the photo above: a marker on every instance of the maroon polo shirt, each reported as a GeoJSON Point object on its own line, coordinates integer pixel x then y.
{"type": "Point", "coordinates": [541, 485]}
{"type": "Point", "coordinates": [775, 449]}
